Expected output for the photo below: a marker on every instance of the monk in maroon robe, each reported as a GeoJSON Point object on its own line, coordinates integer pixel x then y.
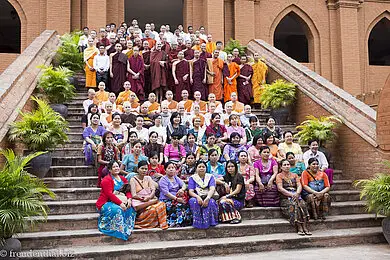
{"type": "Point", "coordinates": [172, 58]}
{"type": "Point", "coordinates": [165, 45]}
{"type": "Point", "coordinates": [244, 82]}
{"type": "Point", "coordinates": [158, 70]}
{"type": "Point", "coordinates": [204, 55]}
{"type": "Point", "coordinates": [147, 76]}
{"type": "Point", "coordinates": [181, 75]}
{"type": "Point", "coordinates": [188, 51]}
{"type": "Point", "coordinates": [198, 76]}
{"type": "Point", "coordinates": [118, 69]}
{"type": "Point", "coordinates": [136, 74]}
{"type": "Point", "coordinates": [236, 56]}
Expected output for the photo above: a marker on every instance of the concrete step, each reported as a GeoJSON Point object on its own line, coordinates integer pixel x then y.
{"type": "Point", "coordinates": [76, 116]}
{"type": "Point", "coordinates": [72, 171]}
{"type": "Point", "coordinates": [345, 195]}
{"type": "Point", "coordinates": [226, 245]}
{"type": "Point", "coordinates": [61, 207]}
{"type": "Point", "coordinates": [64, 194]}
{"type": "Point", "coordinates": [72, 144]}
{"type": "Point", "coordinates": [92, 236]}
{"type": "Point", "coordinates": [68, 152]}
{"type": "Point", "coordinates": [342, 185]}
{"type": "Point", "coordinates": [71, 182]}
{"type": "Point", "coordinates": [74, 136]}
{"type": "Point", "coordinates": [68, 161]}
{"type": "Point", "coordinates": [76, 109]}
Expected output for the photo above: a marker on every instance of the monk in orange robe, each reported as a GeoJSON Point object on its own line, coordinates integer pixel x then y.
{"type": "Point", "coordinates": [202, 104]}
{"type": "Point", "coordinates": [216, 73]}
{"type": "Point", "coordinates": [230, 82]}
{"type": "Point", "coordinates": [125, 95]}
{"type": "Point", "coordinates": [129, 49]}
{"type": "Point", "coordinates": [101, 95]}
{"type": "Point", "coordinates": [153, 106]}
{"type": "Point", "coordinates": [187, 103]}
{"type": "Point", "coordinates": [135, 106]}
{"type": "Point", "coordinates": [90, 73]}
{"type": "Point", "coordinates": [238, 107]}
{"type": "Point", "coordinates": [210, 45]}
{"type": "Point", "coordinates": [196, 46]}
{"type": "Point", "coordinates": [169, 102]}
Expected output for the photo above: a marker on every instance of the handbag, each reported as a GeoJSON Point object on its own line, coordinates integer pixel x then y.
{"type": "Point", "coordinates": [121, 196]}
{"type": "Point", "coordinates": [316, 185]}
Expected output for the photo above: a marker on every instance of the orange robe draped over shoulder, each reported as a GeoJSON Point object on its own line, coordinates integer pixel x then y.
{"type": "Point", "coordinates": [90, 76]}
{"type": "Point", "coordinates": [234, 68]}
{"type": "Point", "coordinates": [124, 96]}
{"type": "Point", "coordinates": [216, 87]}
{"type": "Point", "coordinates": [210, 47]}
{"type": "Point", "coordinates": [259, 75]}
{"type": "Point", "coordinates": [101, 96]}
{"type": "Point", "coordinates": [238, 107]}
{"type": "Point", "coordinates": [154, 107]}
{"type": "Point", "coordinates": [188, 105]}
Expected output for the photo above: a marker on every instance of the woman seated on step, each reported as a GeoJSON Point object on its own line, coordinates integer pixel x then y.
{"type": "Point", "coordinates": [269, 140]}
{"type": "Point", "coordinates": [92, 135]}
{"type": "Point", "coordinates": [289, 146]}
{"type": "Point", "coordinates": [117, 217]}
{"type": "Point", "coordinates": [316, 187]}
{"type": "Point", "coordinates": [173, 193]}
{"type": "Point", "coordinates": [151, 212]}
{"type": "Point", "coordinates": [107, 152]}
{"type": "Point", "coordinates": [266, 169]}
{"type": "Point", "coordinates": [120, 131]}
{"type": "Point", "coordinates": [273, 130]}
{"type": "Point", "coordinates": [292, 205]}
{"type": "Point", "coordinates": [201, 188]}
{"type": "Point", "coordinates": [86, 119]}
{"type": "Point", "coordinates": [231, 203]}
{"type": "Point", "coordinates": [130, 161]}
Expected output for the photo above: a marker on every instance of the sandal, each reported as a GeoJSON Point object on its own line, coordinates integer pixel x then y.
{"type": "Point", "coordinates": [301, 233]}
{"type": "Point", "coordinates": [235, 221]}
{"type": "Point", "coordinates": [307, 232]}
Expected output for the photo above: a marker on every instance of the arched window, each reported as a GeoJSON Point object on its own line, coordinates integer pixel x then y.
{"type": "Point", "coordinates": [291, 37]}
{"type": "Point", "coordinates": [9, 29]}
{"type": "Point", "coordinates": [157, 12]}
{"type": "Point", "coordinates": [379, 43]}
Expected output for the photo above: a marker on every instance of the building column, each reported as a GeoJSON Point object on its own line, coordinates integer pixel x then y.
{"type": "Point", "coordinates": [214, 18]}
{"type": "Point", "coordinates": [244, 20]}
{"type": "Point", "coordinates": [58, 15]}
{"type": "Point", "coordinates": [96, 14]}
{"type": "Point", "coordinates": [347, 11]}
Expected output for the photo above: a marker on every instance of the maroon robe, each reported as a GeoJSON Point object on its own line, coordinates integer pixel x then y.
{"type": "Point", "coordinates": [158, 73]}
{"type": "Point", "coordinates": [103, 41]}
{"type": "Point", "coordinates": [172, 56]}
{"type": "Point", "coordinates": [189, 54]}
{"type": "Point", "coordinates": [147, 75]}
{"type": "Point", "coordinates": [237, 60]}
{"type": "Point", "coordinates": [182, 68]}
{"type": "Point", "coordinates": [245, 93]}
{"type": "Point", "coordinates": [119, 69]}
{"type": "Point", "coordinates": [111, 49]}
{"type": "Point", "coordinates": [182, 47]}
{"type": "Point", "coordinates": [198, 74]}
{"type": "Point", "coordinates": [166, 47]}
{"type": "Point", "coordinates": [204, 55]}
{"type": "Point", "coordinates": [137, 85]}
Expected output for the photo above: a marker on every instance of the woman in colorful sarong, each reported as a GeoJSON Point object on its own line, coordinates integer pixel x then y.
{"type": "Point", "coordinates": [248, 172]}
{"type": "Point", "coordinates": [117, 217]}
{"type": "Point", "coordinates": [316, 187]}
{"type": "Point", "coordinates": [173, 193]}
{"type": "Point", "coordinates": [151, 212]}
{"type": "Point", "coordinates": [266, 192]}
{"type": "Point", "coordinates": [230, 204]}
{"type": "Point", "coordinates": [203, 206]}
{"type": "Point", "coordinates": [292, 205]}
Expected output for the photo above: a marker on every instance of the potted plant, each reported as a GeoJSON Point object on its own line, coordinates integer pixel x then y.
{"type": "Point", "coordinates": [321, 129]}
{"type": "Point", "coordinates": [235, 44]}
{"type": "Point", "coordinates": [55, 84]}
{"type": "Point", "coordinates": [21, 199]}
{"type": "Point", "coordinates": [40, 130]}
{"type": "Point", "coordinates": [376, 192]}
{"type": "Point", "coordinates": [68, 53]}
{"type": "Point", "coordinates": [279, 96]}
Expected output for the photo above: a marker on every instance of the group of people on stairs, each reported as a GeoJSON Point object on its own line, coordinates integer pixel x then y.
{"type": "Point", "coordinates": [181, 160]}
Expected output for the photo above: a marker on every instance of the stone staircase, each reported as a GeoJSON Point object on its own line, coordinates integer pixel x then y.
{"type": "Point", "coordinates": [72, 222]}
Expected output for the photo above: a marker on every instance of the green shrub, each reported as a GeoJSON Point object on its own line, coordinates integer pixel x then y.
{"type": "Point", "coordinates": [40, 130]}
{"type": "Point", "coordinates": [376, 192]}
{"type": "Point", "coordinates": [278, 94]}
{"type": "Point", "coordinates": [233, 44]}
{"type": "Point", "coordinates": [21, 196]}
{"type": "Point", "coordinates": [54, 83]}
{"type": "Point", "coordinates": [68, 53]}
{"type": "Point", "coordinates": [318, 128]}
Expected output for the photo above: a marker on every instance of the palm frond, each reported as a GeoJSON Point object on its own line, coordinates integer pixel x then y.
{"type": "Point", "coordinates": [278, 94]}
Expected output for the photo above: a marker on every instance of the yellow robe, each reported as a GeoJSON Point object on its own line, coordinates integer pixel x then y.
{"type": "Point", "coordinates": [101, 96]}
{"type": "Point", "coordinates": [258, 79]}
{"type": "Point", "coordinates": [210, 47]}
{"type": "Point", "coordinates": [124, 96]}
{"type": "Point", "coordinates": [90, 76]}
{"type": "Point", "coordinates": [228, 89]}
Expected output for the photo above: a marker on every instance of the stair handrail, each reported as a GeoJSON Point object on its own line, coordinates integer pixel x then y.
{"type": "Point", "coordinates": [337, 101]}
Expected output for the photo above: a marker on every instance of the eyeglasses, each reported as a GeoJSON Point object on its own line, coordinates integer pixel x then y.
{"type": "Point", "coordinates": [175, 138]}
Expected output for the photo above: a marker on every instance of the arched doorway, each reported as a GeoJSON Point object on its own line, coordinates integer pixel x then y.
{"type": "Point", "coordinates": [10, 29]}
{"type": "Point", "coordinates": [379, 43]}
{"type": "Point", "coordinates": [293, 37]}
{"type": "Point", "coordinates": [157, 12]}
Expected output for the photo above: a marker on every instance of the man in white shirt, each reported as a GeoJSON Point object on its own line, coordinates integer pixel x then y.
{"type": "Point", "coordinates": [153, 31]}
{"type": "Point", "coordinates": [202, 34]}
{"type": "Point", "coordinates": [90, 100]}
{"type": "Point", "coordinates": [148, 28]}
{"type": "Point", "coordinates": [222, 54]}
{"type": "Point", "coordinates": [101, 64]}
{"type": "Point", "coordinates": [314, 153]}
{"type": "Point", "coordinates": [169, 33]}
{"type": "Point", "coordinates": [83, 40]}
{"type": "Point", "coordinates": [246, 116]}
